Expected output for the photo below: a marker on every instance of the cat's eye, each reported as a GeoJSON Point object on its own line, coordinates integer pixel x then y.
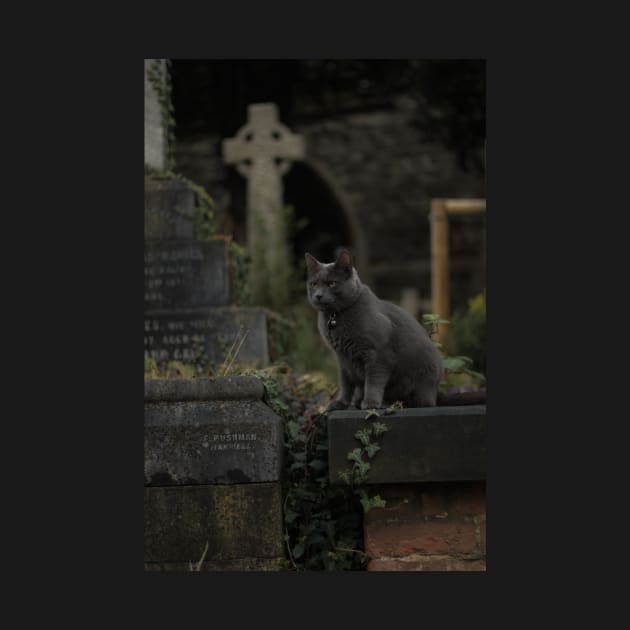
{"type": "Point", "coordinates": [331, 284]}
{"type": "Point", "coordinates": [313, 284]}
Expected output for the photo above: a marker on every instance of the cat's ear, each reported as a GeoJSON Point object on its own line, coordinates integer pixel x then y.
{"type": "Point", "coordinates": [344, 261]}
{"type": "Point", "coordinates": [312, 264]}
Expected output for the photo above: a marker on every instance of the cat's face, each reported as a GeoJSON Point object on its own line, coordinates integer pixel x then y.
{"type": "Point", "coordinates": [332, 286]}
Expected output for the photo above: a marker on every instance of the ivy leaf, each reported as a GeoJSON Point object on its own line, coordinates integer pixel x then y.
{"type": "Point", "coordinates": [344, 476]}
{"type": "Point", "coordinates": [374, 502]}
{"type": "Point", "coordinates": [298, 551]}
{"type": "Point", "coordinates": [355, 455]}
{"type": "Point", "coordinates": [317, 464]}
{"type": "Point", "coordinates": [363, 435]}
{"type": "Point", "coordinates": [393, 407]}
{"type": "Point", "coordinates": [372, 412]}
{"type": "Point", "coordinates": [477, 375]}
{"type": "Point", "coordinates": [379, 428]}
{"type": "Point", "coordinates": [456, 364]}
{"type": "Point", "coordinates": [290, 516]}
{"type": "Point", "coordinates": [371, 449]}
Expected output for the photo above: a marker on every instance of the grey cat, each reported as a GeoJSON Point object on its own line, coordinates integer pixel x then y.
{"type": "Point", "coordinates": [383, 354]}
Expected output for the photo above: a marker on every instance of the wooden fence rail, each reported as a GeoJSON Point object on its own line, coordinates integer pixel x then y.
{"type": "Point", "coordinates": [441, 209]}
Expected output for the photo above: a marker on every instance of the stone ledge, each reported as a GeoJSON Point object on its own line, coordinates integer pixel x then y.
{"type": "Point", "coordinates": [220, 388]}
{"type": "Point", "coordinates": [422, 444]}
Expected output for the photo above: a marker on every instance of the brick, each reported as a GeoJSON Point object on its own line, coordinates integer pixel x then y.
{"type": "Point", "coordinates": [430, 537]}
{"type": "Point", "coordinates": [435, 502]}
{"type": "Point", "coordinates": [403, 503]}
{"type": "Point", "coordinates": [428, 563]}
{"type": "Point", "coordinates": [469, 499]}
{"type": "Point", "coordinates": [482, 533]}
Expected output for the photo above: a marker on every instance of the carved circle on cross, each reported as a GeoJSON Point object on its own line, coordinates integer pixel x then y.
{"type": "Point", "coordinates": [262, 141]}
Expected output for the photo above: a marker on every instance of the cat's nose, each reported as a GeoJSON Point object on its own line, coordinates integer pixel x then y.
{"type": "Point", "coordinates": [318, 297]}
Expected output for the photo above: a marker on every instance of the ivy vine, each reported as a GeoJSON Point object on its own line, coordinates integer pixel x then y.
{"type": "Point", "coordinates": [159, 75]}
{"type": "Point", "coordinates": [203, 218]}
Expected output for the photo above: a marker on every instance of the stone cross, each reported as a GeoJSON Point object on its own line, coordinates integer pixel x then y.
{"type": "Point", "coordinates": [262, 151]}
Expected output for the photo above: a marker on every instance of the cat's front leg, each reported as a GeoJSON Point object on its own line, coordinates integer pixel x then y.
{"type": "Point", "coordinates": [357, 397]}
{"type": "Point", "coordinates": [376, 377]}
{"type": "Point", "coordinates": [345, 392]}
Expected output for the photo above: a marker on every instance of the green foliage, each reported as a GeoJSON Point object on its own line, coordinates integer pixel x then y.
{"type": "Point", "coordinates": [323, 522]}
{"type": "Point", "coordinates": [203, 218]}
{"type": "Point", "coordinates": [457, 369]}
{"type": "Point", "coordinates": [305, 350]}
{"type": "Point", "coordinates": [176, 369]}
{"type": "Point", "coordinates": [357, 475]}
{"type": "Point", "coordinates": [467, 333]}
{"type": "Point", "coordinates": [271, 268]}
{"type": "Point", "coordinates": [240, 262]}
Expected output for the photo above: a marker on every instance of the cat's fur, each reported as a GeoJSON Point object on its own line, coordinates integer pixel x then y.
{"type": "Point", "coordinates": [383, 354]}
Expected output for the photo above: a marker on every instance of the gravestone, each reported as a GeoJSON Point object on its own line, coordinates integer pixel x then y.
{"type": "Point", "coordinates": [187, 288]}
{"type": "Point", "coordinates": [262, 151]}
{"type": "Point", "coordinates": [212, 474]}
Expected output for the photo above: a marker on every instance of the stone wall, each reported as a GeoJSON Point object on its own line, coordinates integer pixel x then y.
{"type": "Point", "coordinates": [431, 472]}
{"type": "Point", "coordinates": [389, 175]}
{"type": "Point", "coordinates": [428, 527]}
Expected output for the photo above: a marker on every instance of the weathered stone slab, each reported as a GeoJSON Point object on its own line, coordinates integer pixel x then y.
{"type": "Point", "coordinates": [185, 274]}
{"type": "Point", "coordinates": [237, 522]}
{"type": "Point", "coordinates": [224, 388]}
{"type": "Point", "coordinates": [231, 564]}
{"type": "Point", "coordinates": [169, 207]}
{"type": "Point", "coordinates": [422, 444]}
{"type": "Point", "coordinates": [199, 431]}
{"type": "Point", "coordinates": [189, 334]}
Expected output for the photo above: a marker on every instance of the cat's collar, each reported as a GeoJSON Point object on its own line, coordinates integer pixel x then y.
{"type": "Point", "coordinates": [332, 320]}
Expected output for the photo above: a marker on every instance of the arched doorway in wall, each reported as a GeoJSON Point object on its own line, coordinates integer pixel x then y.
{"type": "Point", "coordinates": [324, 219]}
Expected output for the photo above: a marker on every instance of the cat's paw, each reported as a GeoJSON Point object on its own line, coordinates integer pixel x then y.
{"type": "Point", "coordinates": [371, 404]}
{"type": "Point", "coordinates": [337, 405]}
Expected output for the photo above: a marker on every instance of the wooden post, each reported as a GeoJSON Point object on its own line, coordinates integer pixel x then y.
{"type": "Point", "coordinates": [440, 285]}
{"type": "Point", "coordinates": [439, 263]}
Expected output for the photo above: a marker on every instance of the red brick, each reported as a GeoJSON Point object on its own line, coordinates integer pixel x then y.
{"type": "Point", "coordinates": [429, 563]}
{"type": "Point", "coordinates": [402, 539]}
{"type": "Point", "coordinates": [469, 499]}
{"type": "Point", "coordinates": [402, 503]}
{"type": "Point", "coordinates": [435, 502]}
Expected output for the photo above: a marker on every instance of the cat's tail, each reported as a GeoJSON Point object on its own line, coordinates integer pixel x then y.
{"type": "Point", "coordinates": [461, 398]}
